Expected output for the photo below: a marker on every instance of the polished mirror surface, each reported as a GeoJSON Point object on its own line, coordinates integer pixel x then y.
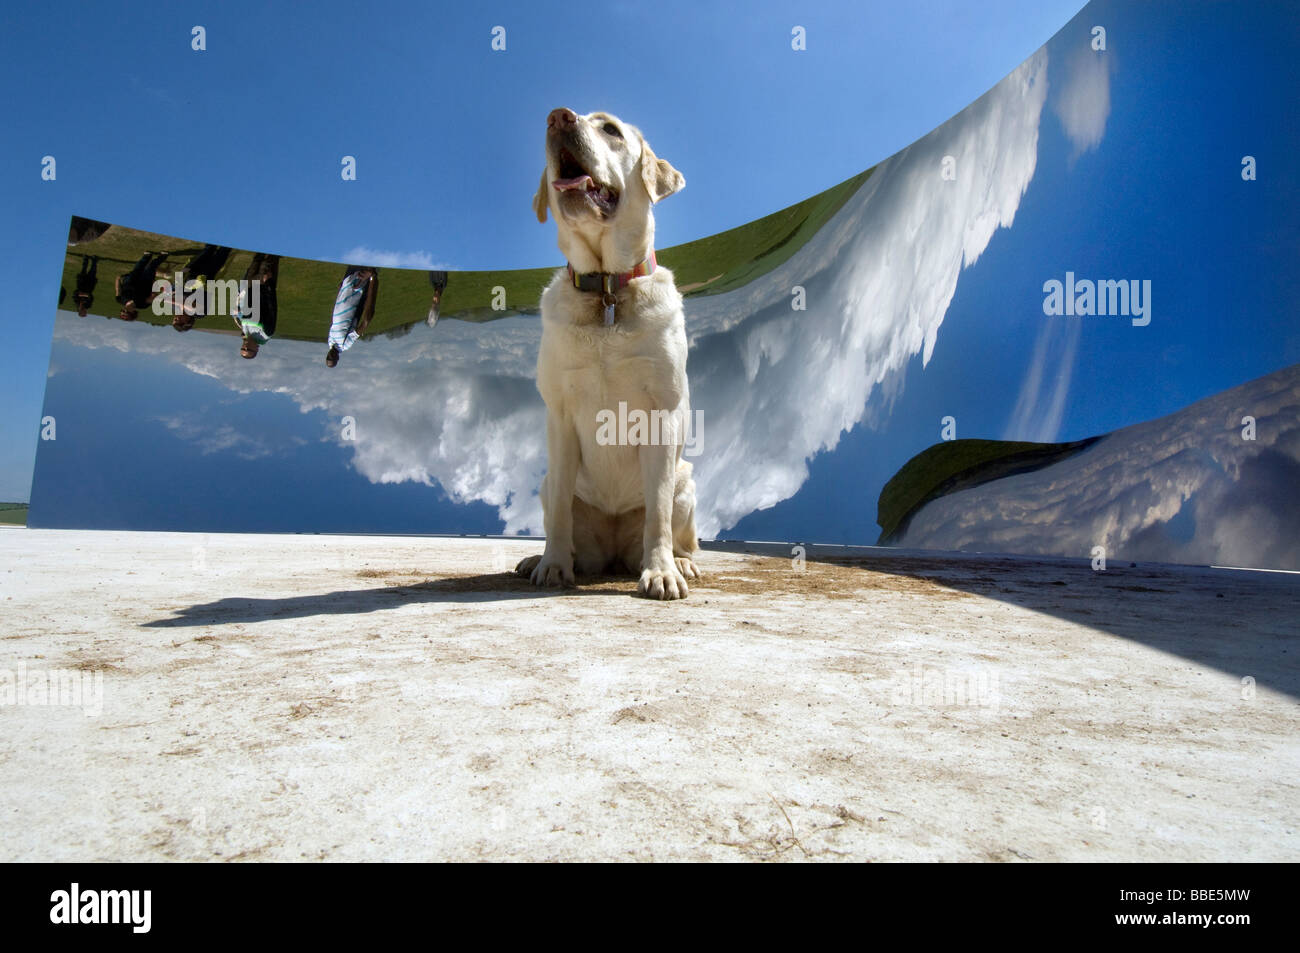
{"type": "Point", "coordinates": [1063, 320]}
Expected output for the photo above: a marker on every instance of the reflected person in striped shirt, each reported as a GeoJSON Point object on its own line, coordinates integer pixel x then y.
{"type": "Point", "coordinates": [353, 309]}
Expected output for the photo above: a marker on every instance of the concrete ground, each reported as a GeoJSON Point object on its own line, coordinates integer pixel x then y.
{"type": "Point", "coordinates": [366, 698]}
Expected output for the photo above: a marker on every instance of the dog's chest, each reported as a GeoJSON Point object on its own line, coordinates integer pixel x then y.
{"type": "Point", "coordinates": [597, 366]}
{"type": "Point", "coordinates": [586, 364]}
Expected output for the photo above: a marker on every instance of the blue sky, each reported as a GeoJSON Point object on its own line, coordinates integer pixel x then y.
{"type": "Point", "coordinates": [241, 143]}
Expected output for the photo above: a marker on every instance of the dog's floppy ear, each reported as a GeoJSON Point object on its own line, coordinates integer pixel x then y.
{"type": "Point", "coordinates": [661, 179]}
{"type": "Point", "coordinates": [540, 199]}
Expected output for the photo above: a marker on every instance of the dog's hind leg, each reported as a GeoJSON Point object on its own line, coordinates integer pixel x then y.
{"type": "Point", "coordinates": [527, 565]}
{"type": "Point", "coordinates": [629, 540]}
{"type": "Point", "coordinates": [593, 539]}
{"type": "Point", "coordinates": [593, 545]}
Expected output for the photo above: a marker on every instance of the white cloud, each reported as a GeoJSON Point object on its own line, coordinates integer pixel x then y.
{"type": "Point", "coordinates": [1040, 407]}
{"type": "Point", "coordinates": [1083, 102]}
{"type": "Point", "coordinates": [212, 437]}
{"type": "Point", "coordinates": [364, 255]}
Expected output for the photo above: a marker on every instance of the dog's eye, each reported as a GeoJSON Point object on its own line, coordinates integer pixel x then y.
{"type": "Point", "coordinates": [611, 130]}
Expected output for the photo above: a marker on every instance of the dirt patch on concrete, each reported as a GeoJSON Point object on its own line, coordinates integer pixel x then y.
{"type": "Point", "coordinates": [745, 575]}
{"type": "Point", "coordinates": [88, 663]}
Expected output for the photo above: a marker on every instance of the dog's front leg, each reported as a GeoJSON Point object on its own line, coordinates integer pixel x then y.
{"type": "Point", "coordinates": [660, 577]}
{"type": "Point", "coordinates": [562, 457]}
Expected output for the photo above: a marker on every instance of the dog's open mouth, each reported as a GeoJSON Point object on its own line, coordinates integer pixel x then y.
{"type": "Point", "coordinates": [572, 177]}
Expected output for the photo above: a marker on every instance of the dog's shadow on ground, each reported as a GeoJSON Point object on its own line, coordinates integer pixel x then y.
{"type": "Point", "coordinates": [486, 587]}
{"type": "Point", "coordinates": [1172, 609]}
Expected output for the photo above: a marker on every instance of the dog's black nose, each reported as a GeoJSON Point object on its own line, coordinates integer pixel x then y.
{"type": "Point", "coordinates": [561, 119]}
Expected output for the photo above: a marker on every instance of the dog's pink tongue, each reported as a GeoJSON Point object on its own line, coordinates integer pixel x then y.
{"type": "Point", "coordinates": [577, 182]}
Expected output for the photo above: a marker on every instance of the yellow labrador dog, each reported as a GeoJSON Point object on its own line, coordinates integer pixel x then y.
{"type": "Point", "coordinates": [616, 498]}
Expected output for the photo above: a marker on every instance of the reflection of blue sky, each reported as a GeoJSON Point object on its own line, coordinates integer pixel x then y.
{"type": "Point", "coordinates": [448, 135]}
{"type": "Point", "coordinates": [781, 386]}
{"type": "Point", "coordinates": [924, 300]}
{"type": "Point", "coordinates": [1159, 197]}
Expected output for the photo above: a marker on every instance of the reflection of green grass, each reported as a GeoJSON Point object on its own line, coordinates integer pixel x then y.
{"type": "Point", "coordinates": [959, 464]}
{"type": "Point", "coordinates": [13, 513]}
{"type": "Point", "coordinates": [306, 288]}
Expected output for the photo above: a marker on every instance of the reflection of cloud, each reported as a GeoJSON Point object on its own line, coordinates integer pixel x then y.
{"type": "Point", "coordinates": [1038, 412]}
{"type": "Point", "coordinates": [455, 406]}
{"type": "Point", "coordinates": [363, 255]}
{"type": "Point", "coordinates": [1083, 101]}
{"type": "Point", "coordinates": [161, 95]}
{"type": "Point", "coordinates": [1184, 488]}
{"type": "Point", "coordinates": [780, 387]}
{"type": "Point", "coordinates": [219, 438]}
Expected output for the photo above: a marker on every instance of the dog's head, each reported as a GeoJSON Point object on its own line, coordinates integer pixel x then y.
{"type": "Point", "coordinates": [601, 178]}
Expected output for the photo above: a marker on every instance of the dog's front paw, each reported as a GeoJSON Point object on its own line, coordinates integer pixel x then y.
{"type": "Point", "coordinates": [527, 565]}
{"type": "Point", "coordinates": [553, 572]}
{"type": "Point", "coordinates": [686, 566]}
{"type": "Point", "coordinates": [663, 583]}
